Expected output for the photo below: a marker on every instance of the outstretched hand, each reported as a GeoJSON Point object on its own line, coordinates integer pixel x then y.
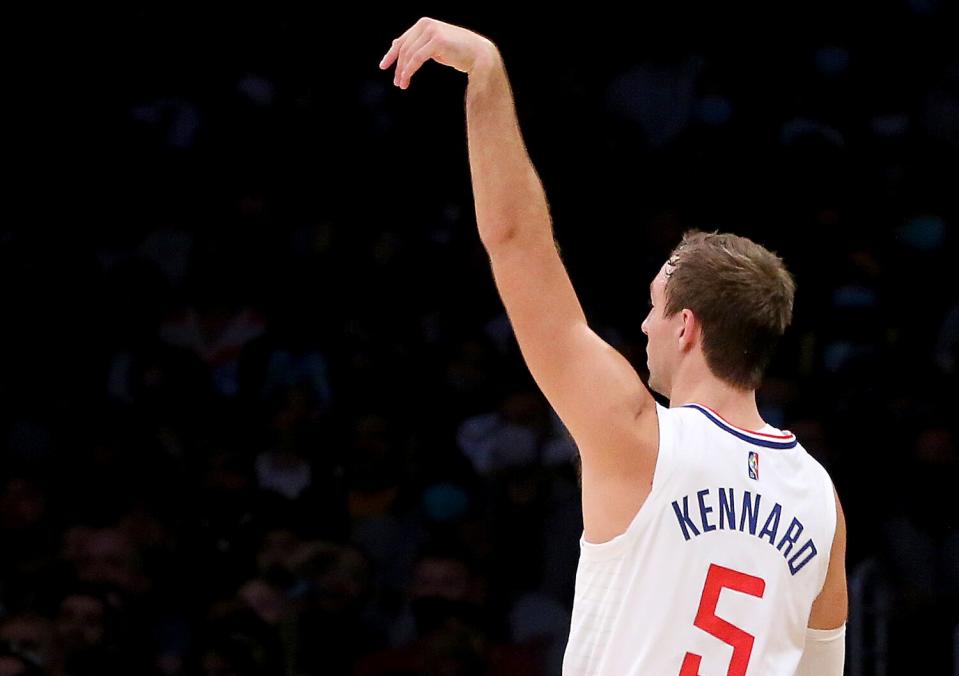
{"type": "Point", "coordinates": [445, 43]}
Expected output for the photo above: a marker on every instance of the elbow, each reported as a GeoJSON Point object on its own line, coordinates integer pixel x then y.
{"type": "Point", "coordinates": [513, 226]}
{"type": "Point", "coordinates": [496, 238]}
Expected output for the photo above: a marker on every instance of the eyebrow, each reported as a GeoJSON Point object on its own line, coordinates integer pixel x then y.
{"type": "Point", "coordinates": [650, 290]}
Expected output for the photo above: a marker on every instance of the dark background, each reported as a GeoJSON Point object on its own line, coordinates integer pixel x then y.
{"type": "Point", "coordinates": [261, 409]}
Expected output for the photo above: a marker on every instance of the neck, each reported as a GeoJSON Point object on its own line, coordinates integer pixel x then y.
{"type": "Point", "coordinates": [738, 407]}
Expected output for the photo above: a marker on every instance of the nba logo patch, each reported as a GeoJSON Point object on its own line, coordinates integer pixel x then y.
{"type": "Point", "coordinates": [754, 465]}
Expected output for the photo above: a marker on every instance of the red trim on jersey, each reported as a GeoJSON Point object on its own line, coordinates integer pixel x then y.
{"type": "Point", "coordinates": [788, 436]}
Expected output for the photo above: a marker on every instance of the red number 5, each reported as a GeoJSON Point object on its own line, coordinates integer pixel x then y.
{"type": "Point", "coordinates": [742, 642]}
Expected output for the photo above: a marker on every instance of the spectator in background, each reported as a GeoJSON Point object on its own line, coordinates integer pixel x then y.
{"type": "Point", "coordinates": [13, 663]}
{"type": "Point", "coordinates": [447, 626]}
{"type": "Point", "coordinates": [212, 402]}
{"type": "Point", "coordinates": [26, 540]}
{"type": "Point", "coordinates": [513, 436]}
{"type": "Point", "coordinates": [920, 543]}
{"type": "Point", "coordinates": [215, 325]}
{"type": "Point", "coordinates": [332, 593]}
{"type": "Point", "coordinates": [90, 629]}
{"type": "Point", "coordinates": [285, 468]}
{"type": "Point", "coordinates": [31, 638]}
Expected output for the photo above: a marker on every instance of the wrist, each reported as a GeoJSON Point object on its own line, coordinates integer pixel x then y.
{"type": "Point", "coordinates": [487, 61]}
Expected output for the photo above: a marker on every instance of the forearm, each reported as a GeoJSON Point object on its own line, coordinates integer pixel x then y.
{"type": "Point", "coordinates": [508, 194]}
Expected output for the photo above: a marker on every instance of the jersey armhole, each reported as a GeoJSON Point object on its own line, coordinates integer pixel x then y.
{"type": "Point", "coordinates": [665, 462]}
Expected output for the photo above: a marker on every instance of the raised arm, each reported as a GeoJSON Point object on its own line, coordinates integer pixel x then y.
{"type": "Point", "coordinates": [592, 387]}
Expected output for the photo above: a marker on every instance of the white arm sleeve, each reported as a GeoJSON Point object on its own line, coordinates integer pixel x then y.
{"type": "Point", "coordinates": [825, 652]}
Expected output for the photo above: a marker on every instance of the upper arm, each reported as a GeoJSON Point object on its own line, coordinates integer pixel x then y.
{"type": "Point", "coordinates": [831, 607]}
{"type": "Point", "coordinates": [593, 389]}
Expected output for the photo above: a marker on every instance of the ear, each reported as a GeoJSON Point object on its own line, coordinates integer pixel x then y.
{"type": "Point", "coordinates": [688, 330]}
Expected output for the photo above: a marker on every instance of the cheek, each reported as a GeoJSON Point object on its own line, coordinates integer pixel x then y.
{"type": "Point", "coordinates": [654, 335]}
{"type": "Point", "coordinates": [659, 331]}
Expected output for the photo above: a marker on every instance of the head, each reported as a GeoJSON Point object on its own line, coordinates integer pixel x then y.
{"type": "Point", "coordinates": [15, 664]}
{"type": "Point", "coordinates": [444, 588]}
{"type": "Point", "coordinates": [437, 575]}
{"type": "Point", "coordinates": [110, 557]}
{"type": "Point", "coordinates": [82, 620]}
{"type": "Point", "coordinates": [31, 636]}
{"type": "Point", "coordinates": [22, 504]}
{"type": "Point", "coordinates": [720, 298]}
{"type": "Point", "coordinates": [265, 599]}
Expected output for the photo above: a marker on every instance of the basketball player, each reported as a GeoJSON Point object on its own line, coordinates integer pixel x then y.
{"type": "Point", "coordinates": [712, 542]}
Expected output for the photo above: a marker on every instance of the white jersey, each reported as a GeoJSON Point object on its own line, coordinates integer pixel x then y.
{"type": "Point", "coordinates": [717, 572]}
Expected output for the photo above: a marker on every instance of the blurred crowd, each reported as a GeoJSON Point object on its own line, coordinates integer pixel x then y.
{"type": "Point", "coordinates": [263, 413]}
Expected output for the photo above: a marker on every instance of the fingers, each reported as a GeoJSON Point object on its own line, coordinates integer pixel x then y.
{"type": "Point", "coordinates": [397, 45]}
{"type": "Point", "coordinates": [394, 50]}
{"type": "Point", "coordinates": [410, 51]}
{"type": "Point", "coordinates": [391, 55]}
{"type": "Point", "coordinates": [418, 50]}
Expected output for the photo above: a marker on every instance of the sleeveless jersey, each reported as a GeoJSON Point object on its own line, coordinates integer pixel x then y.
{"type": "Point", "coordinates": [717, 572]}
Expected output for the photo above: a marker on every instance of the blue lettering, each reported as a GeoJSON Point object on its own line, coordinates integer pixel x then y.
{"type": "Point", "coordinates": [704, 510]}
{"type": "Point", "coordinates": [683, 517]}
{"type": "Point", "coordinates": [792, 534]}
{"type": "Point", "coordinates": [751, 510]}
{"type": "Point", "coordinates": [796, 567]}
{"type": "Point", "coordinates": [727, 510]}
{"type": "Point", "coordinates": [773, 519]}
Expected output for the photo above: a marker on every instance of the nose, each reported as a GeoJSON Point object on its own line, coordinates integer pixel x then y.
{"type": "Point", "coordinates": [643, 327]}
